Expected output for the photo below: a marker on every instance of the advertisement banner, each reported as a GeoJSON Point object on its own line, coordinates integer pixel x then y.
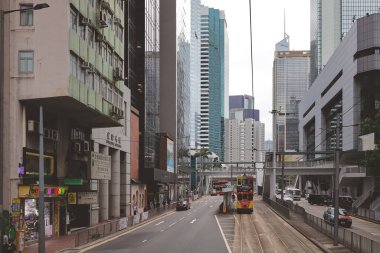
{"type": "Point", "coordinates": [136, 219]}
{"type": "Point", "coordinates": [144, 215]}
{"type": "Point", "coordinates": [72, 198]}
{"type": "Point", "coordinates": [100, 166]}
{"type": "Point", "coordinates": [170, 156]}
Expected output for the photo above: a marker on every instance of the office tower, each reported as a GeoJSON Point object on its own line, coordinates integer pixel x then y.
{"type": "Point", "coordinates": [69, 60]}
{"type": "Point", "coordinates": [242, 107]}
{"type": "Point", "coordinates": [175, 98]}
{"type": "Point", "coordinates": [195, 79]}
{"type": "Point", "coordinates": [290, 82]}
{"type": "Point", "coordinates": [214, 79]}
{"type": "Point", "coordinates": [330, 20]}
{"type": "Point", "coordinates": [244, 141]}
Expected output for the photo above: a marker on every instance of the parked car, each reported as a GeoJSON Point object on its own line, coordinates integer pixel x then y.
{"type": "Point", "coordinates": [343, 219]}
{"type": "Point", "coordinates": [182, 205]}
{"type": "Point", "coordinates": [319, 199]}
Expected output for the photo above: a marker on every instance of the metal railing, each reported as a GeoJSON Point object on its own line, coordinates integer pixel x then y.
{"type": "Point", "coordinates": [94, 233]}
{"type": "Point", "coordinates": [281, 208]}
{"type": "Point", "coordinates": [349, 239]}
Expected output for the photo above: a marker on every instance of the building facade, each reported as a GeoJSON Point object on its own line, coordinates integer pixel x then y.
{"type": "Point", "coordinates": [290, 83]}
{"type": "Point", "coordinates": [244, 141]}
{"type": "Point", "coordinates": [214, 79]}
{"type": "Point", "coordinates": [329, 23]}
{"type": "Point", "coordinates": [68, 60]}
{"type": "Point", "coordinates": [242, 107]}
{"type": "Point", "coordinates": [344, 95]}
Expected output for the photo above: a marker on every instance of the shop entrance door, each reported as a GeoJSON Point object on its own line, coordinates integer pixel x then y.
{"type": "Point", "coordinates": [62, 220]}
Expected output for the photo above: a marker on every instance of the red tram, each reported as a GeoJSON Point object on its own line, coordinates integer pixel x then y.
{"type": "Point", "coordinates": [244, 191]}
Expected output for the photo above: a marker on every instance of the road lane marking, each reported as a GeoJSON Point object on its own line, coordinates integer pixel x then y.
{"type": "Point", "coordinates": [188, 214]}
{"type": "Point", "coordinates": [172, 224]}
{"type": "Point", "coordinates": [193, 221]}
{"type": "Point", "coordinates": [144, 241]}
{"type": "Point", "coordinates": [182, 218]}
{"type": "Point", "coordinates": [160, 223]}
{"type": "Point", "coordinates": [224, 238]}
{"type": "Point", "coordinates": [122, 234]}
{"type": "Point", "coordinates": [210, 206]}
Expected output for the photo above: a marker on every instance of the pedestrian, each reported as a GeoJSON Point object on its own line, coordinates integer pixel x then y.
{"type": "Point", "coordinates": [134, 209]}
{"type": "Point", "coordinates": [168, 200]}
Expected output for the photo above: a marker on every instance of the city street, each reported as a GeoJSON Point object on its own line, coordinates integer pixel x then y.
{"type": "Point", "coordinates": [194, 230]}
{"type": "Point", "coordinates": [203, 229]}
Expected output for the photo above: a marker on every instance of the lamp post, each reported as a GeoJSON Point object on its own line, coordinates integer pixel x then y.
{"type": "Point", "coordinates": [2, 112]}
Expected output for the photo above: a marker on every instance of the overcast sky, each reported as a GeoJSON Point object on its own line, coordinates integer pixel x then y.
{"type": "Point", "coordinates": [267, 30]}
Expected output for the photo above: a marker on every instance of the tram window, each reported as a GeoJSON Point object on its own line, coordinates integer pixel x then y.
{"type": "Point", "coordinates": [250, 196]}
{"type": "Point", "coordinates": [240, 197]}
{"type": "Point", "coordinates": [245, 196]}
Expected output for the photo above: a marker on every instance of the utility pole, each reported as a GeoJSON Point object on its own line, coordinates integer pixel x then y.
{"type": "Point", "coordinates": [282, 178]}
{"type": "Point", "coordinates": [272, 193]}
{"type": "Point", "coordinates": [336, 183]}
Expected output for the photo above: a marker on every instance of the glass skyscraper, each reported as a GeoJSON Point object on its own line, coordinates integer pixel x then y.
{"type": "Point", "coordinates": [214, 79]}
{"type": "Point", "coordinates": [290, 83]}
{"type": "Point", "coordinates": [330, 20]}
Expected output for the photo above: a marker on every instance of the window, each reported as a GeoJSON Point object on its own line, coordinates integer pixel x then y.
{"type": "Point", "coordinates": [25, 62]}
{"type": "Point", "coordinates": [73, 20]}
{"type": "Point", "coordinates": [26, 16]}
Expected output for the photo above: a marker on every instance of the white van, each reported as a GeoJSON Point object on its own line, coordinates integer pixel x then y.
{"type": "Point", "coordinates": [294, 193]}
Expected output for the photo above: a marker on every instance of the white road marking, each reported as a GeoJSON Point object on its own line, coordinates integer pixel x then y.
{"type": "Point", "coordinates": [172, 224]}
{"type": "Point", "coordinates": [210, 206]}
{"type": "Point", "coordinates": [224, 238]}
{"type": "Point", "coordinates": [193, 221]}
{"type": "Point", "coordinates": [160, 223]}
{"type": "Point", "coordinates": [144, 241]}
{"type": "Point", "coordinates": [182, 218]}
{"type": "Point", "coordinates": [188, 214]}
{"type": "Point", "coordinates": [162, 230]}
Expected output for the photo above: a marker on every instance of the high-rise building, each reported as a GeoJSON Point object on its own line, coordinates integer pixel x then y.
{"type": "Point", "coordinates": [195, 77]}
{"type": "Point", "coordinates": [214, 79]}
{"type": "Point", "coordinates": [244, 141]}
{"type": "Point", "coordinates": [242, 107]}
{"type": "Point", "coordinates": [175, 95]}
{"type": "Point", "coordinates": [67, 59]}
{"type": "Point", "coordinates": [330, 20]}
{"type": "Point", "coordinates": [290, 83]}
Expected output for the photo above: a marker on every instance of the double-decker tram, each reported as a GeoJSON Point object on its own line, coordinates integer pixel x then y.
{"type": "Point", "coordinates": [244, 191]}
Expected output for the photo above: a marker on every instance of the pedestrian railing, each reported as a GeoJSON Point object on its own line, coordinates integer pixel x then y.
{"type": "Point", "coordinates": [94, 233]}
{"type": "Point", "coordinates": [282, 209]}
{"type": "Point", "coordinates": [348, 238]}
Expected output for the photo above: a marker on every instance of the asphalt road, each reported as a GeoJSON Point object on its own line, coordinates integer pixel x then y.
{"type": "Point", "coordinates": [362, 227]}
{"type": "Point", "coordinates": [194, 230]}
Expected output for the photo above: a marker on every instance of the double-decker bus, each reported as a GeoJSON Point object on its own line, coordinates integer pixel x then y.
{"type": "Point", "coordinates": [244, 191]}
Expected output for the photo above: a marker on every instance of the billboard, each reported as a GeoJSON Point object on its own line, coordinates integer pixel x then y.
{"type": "Point", "coordinates": [170, 155]}
{"type": "Point", "coordinates": [100, 167]}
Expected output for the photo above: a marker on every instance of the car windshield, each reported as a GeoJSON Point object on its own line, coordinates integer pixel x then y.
{"type": "Point", "coordinates": [341, 211]}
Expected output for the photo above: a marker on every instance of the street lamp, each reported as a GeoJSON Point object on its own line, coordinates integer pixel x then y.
{"type": "Point", "coordinates": [2, 84]}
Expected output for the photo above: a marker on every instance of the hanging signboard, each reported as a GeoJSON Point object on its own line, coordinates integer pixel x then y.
{"type": "Point", "coordinates": [86, 198]}
{"type": "Point", "coordinates": [100, 166]}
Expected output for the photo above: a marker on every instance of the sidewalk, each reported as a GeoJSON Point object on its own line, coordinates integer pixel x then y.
{"type": "Point", "coordinates": [57, 244]}
{"type": "Point", "coordinates": [54, 244]}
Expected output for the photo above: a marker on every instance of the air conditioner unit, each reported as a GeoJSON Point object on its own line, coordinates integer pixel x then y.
{"type": "Point", "coordinates": [32, 126]}
{"type": "Point", "coordinates": [121, 114]}
{"type": "Point", "coordinates": [47, 133]}
{"type": "Point", "coordinates": [100, 38]}
{"type": "Point", "coordinates": [117, 20]}
{"type": "Point", "coordinates": [85, 22]}
{"type": "Point", "coordinates": [54, 135]}
{"type": "Point", "coordinates": [118, 74]}
{"type": "Point", "coordinates": [86, 65]}
{"type": "Point", "coordinates": [103, 19]}
{"type": "Point", "coordinates": [91, 69]}
{"type": "Point", "coordinates": [86, 146]}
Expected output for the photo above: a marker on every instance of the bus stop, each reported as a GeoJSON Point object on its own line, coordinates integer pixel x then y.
{"type": "Point", "coordinates": [227, 206]}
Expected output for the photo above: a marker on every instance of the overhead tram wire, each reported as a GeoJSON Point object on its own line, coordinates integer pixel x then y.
{"type": "Point", "coordinates": [250, 30]}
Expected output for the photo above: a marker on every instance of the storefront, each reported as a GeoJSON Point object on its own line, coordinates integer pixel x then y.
{"type": "Point", "coordinates": [55, 206]}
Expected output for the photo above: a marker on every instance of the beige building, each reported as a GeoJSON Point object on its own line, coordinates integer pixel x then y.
{"type": "Point", "coordinates": [67, 58]}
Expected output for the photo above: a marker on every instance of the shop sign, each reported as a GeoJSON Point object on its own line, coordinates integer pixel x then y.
{"type": "Point", "coordinates": [86, 198]}
{"type": "Point", "coordinates": [33, 191]}
{"type": "Point", "coordinates": [15, 207]}
{"type": "Point", "coordinates": [72, 181]}
{"type": "Point", "coordinates": [72, 198]}
{"type": "Point", "coordinates": [100, 166]}
{"type": "Point", "coordinates": [113, 140]}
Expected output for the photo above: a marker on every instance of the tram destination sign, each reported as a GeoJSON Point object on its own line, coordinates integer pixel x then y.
{"type": "Point", "coordinates": [100, 166]}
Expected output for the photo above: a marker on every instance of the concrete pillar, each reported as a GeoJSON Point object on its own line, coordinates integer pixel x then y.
{"type": "Point", "coordinates": [115, 184]}
{"type": "Point", "coordinates": [103, 192]}
{"type": "Point", "coordinates": [300, 181]}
